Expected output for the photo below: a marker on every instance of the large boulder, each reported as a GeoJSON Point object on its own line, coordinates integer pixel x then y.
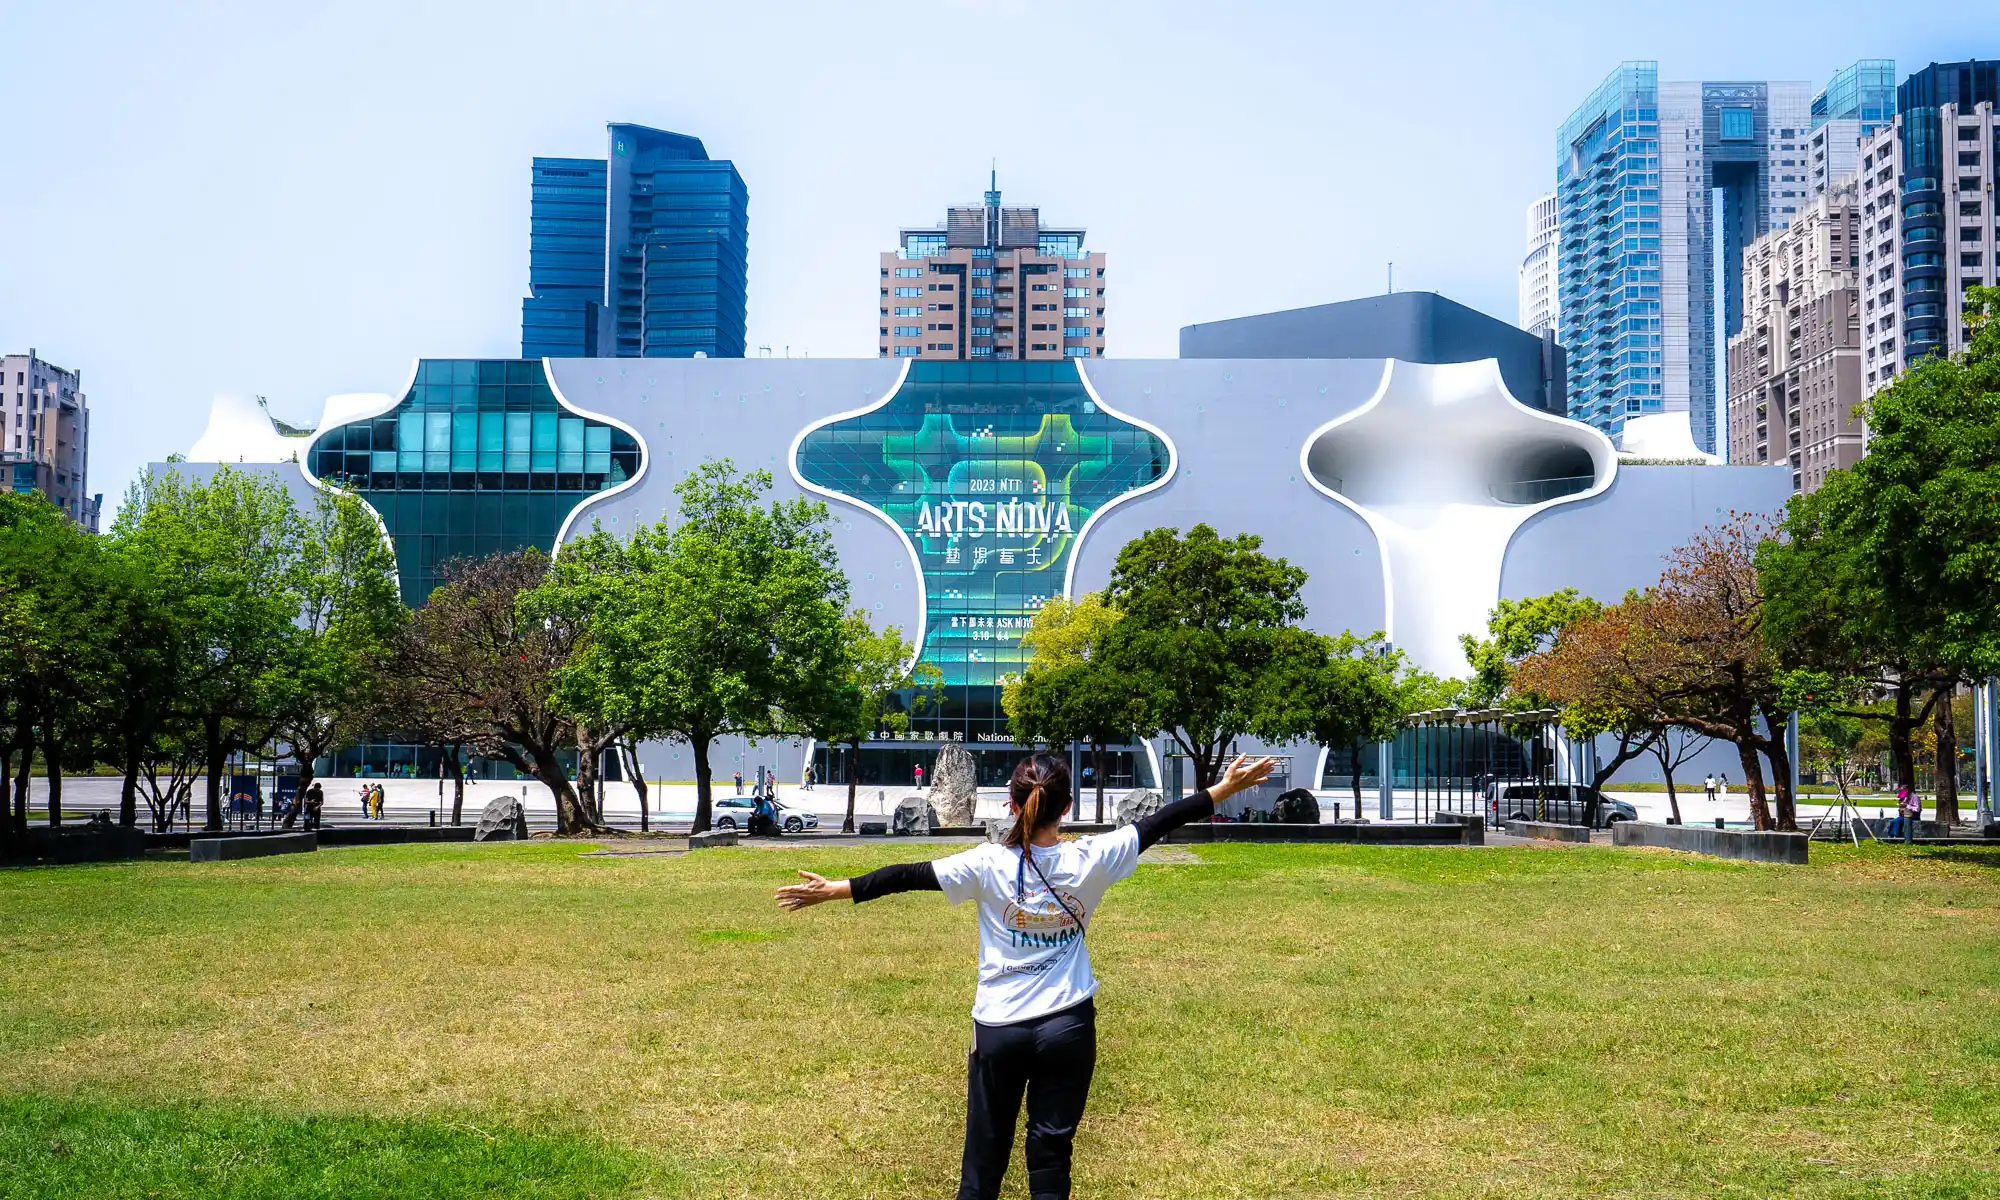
{"type": "Point", "coordinates": [954, 786]}
{"type": "Point", "coordinates": [913, 815]}
{"type": "Point", "coordinates": [1137, 803]}
{"type": "Point", "coordinates": [503, 820]}
{"type": "Point", "coordinates": [1296, 807]}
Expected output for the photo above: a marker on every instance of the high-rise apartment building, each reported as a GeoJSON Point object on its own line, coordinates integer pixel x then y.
{"type": "Point", "coordinates": [47, 443]}
{"type": "Point", "coordinates": [992, 282]}
{"type": "Point", "coordinates": [1660, 187]}
{"type": "Point", "coordinates": [1795, 368]}
{"type": "Point", "coordinates": [1541, 309]}
{"type": "Point", "coordinates": [642, 254]}
{"type": "Point", "coordinates": [1856, 103]}
{"type": "Point", "coordinates": [1927, 185]}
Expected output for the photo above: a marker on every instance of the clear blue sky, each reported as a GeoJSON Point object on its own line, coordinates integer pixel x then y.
{"type": "Point", "coordinates": [296, 200]}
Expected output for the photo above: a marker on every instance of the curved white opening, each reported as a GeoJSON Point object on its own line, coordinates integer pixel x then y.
{"type": "Point", "coordinates": [1445, 465]}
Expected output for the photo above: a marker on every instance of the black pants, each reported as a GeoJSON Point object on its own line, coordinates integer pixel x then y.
{"type": "Point", "coordinates": [1049, 1057]}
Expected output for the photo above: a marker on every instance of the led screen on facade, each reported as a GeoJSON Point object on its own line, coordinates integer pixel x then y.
{"type": "Point", "coordinates": [990, 471]}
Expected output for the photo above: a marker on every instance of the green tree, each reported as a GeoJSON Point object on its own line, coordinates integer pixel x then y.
{"type": "Point", "coordinates": [1833, 744]}
{"type": "Point", "coordinates": [1515, 631]}
{"type": "Point", "coordinates": [1207, 640]}
{"type": "Point", "coordinates": [1356, 695]}
{"type": "Point", "coordinates": [1073, 690]}
{"type": "Point", "coordinates": [1889, 574]}
{"type": "Point", "coordinates": [226, 553]}
{"type": "Point", "coordinates": [728, 621]}
{"type": "Point", "coordinates": [65, 607]}
{"type": "Point", "coordinates": [349, 615]}
{"type": "Point", "coordinates": [882, 685]}
{"type": "Point", "coordinates": [468, 662]}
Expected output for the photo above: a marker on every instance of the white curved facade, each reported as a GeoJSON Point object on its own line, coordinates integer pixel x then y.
{"type": "Point", "coordinates": [1444, 466]}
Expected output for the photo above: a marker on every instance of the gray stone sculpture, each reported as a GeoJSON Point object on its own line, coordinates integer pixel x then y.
{"type": "Point", "coordinates": [503, 820]}
{"type": "Point", "coordinates": [1296, 807]}
{"type": "Point", "coordinates": [1139, 802]}
{"type": "Point", "coordinates": [913, 815]}
{"type": "Point", "coordinates": [954, 790]}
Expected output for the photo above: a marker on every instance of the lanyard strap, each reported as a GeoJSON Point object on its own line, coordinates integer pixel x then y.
{"type": "Point", "coordinates": [1020, 890]}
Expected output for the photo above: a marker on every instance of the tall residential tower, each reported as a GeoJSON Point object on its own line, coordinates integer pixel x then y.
{"type": "Point", "coordinates": [992, 282]}
{"type": "Point", "coordinates": [47, 443]}
{"type": "Point", "coordinates": [1856, 103]}
{"type": "Point", "coordinates": [642, 254]}
{"type": "Point", "coordinates": [1661, 186]}
{"type": "Point", "coordinates": [1541, 310]}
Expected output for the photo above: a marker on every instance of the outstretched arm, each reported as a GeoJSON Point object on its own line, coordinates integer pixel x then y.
{"type": "Point", "coordinates": [1241, 774]}
{"type": "Point", "coordinates": [899, 877]}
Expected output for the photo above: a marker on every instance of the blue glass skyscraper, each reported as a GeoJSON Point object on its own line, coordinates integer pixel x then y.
{"type": "Point", "coordinates": [1661, 186]}
{"type": "Point", "coordinates": [1951, 162]}
{"type": "Point", "coordinates": [1608, 188]}
{"type": "Point", "coordinates": [640, 254]}
{"type": "Point", "coordinates": [561, 315]}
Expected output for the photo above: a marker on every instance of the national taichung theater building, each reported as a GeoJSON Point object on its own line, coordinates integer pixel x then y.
{"type": "Point", "coordinates": [1408, 453]}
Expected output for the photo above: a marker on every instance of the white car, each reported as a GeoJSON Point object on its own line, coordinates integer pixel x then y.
{"type": "Point", "coordinates": [733, 812]}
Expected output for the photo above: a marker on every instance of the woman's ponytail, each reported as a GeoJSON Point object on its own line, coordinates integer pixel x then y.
{"type": "Point", "coordinates": [1040, 789]}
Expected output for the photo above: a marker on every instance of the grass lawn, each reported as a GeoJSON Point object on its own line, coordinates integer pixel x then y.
{"type": "Point", "coordinates": [1275, 1021]}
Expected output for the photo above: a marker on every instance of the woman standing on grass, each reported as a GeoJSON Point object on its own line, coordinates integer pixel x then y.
{"type": "Point", "coordinates": [1034, 1026]}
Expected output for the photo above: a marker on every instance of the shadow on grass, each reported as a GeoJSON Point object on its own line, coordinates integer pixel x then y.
{"type": "Point", "coordinates": [1975, 856]}
{"type": "Point", "coordinates": [68, 1148]}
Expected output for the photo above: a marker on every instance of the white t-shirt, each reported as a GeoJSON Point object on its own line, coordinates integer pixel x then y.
{"type": "Point", "coordinates": [1032, 960]}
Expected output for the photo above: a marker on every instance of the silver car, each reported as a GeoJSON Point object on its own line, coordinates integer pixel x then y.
{"type": "Point", "coordinates": [1565, 804]}
{"type": "Point", "coordinates": [733, 812]}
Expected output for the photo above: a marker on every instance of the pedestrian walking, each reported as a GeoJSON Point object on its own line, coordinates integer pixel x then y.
{"type": "Point", "coordinates": [1708, 787]}
{"type": "Point", "coordinates": [920, 775]}
{"type": "Point", "coordinates": [1909, 810]}
{"type": "Point", "coordinates": [1034, 1019]}
{"type": "Point", "coordinates": [739, 783]}
{"type": "Point", "coordinates": [377, 796]}
{"type": "Point", "coordinates": [315, 801]}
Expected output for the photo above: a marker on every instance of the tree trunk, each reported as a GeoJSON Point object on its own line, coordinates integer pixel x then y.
{"type": "Point", "coordinates": [853, 781]}
{"type": "Point", "coordinates": [455, 759]}
{"type": "Point", "coordinates": [586, 776]}
{"type": "Point", "coordinates": [1945, 723]}
{"type": "Point", "coordinates": [52, 750]}
{"type": "Point", "coordinates": [1667, 769]}
{"type": "Point", "coordinates": [1356, 750]}
{"type": "Point", "coordinates": [128, 790]}
{"type": "Point", "coordinates": [1780, 756]}
{"type": "Point", "coordinates": [216, 756]}
{"type": "Point", "coordinates": [305, 762]}
{"type": "Point", "coordinates": [7, 834]}
{"type": "Point", "coordinates": [24, 738]}
{"type": "Point", "coordinates": [1097, 751]}
{"type": "Point", "coordinates": [702, 795]}
{"type": "Point", "coordinates": [1902, 755]}
{"type": "Point", "coordinates": [546, 767]}
{"type": "Point", "coordinates": [1753, 785]}
{"type": "Point", "coordinates": [629, 755]}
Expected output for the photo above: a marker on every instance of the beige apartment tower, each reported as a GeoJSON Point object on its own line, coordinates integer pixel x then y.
{"type": "Point", "coordinates": [1795, 369]}
{"type": "Point", "coordinates": [992, 283]}
{"type": "Point", "coordinates": [46, 444]}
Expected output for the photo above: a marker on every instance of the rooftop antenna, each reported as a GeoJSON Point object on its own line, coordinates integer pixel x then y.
{"type": "Point", "coordinates": [993, 205]}
{"type": "Point", "coordinates": [1392, 279]}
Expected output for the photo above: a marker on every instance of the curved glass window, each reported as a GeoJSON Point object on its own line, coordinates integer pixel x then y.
{"type": "Point", "coordinates": [1922, 259]}
{"type": "Point", "coordinates": [990, 470]}
{"type": "Point", "coordinates": [478, 458]}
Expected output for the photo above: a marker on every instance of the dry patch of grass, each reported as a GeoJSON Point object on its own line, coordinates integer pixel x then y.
{"type": "Point", "coordinates": [1285, 1021]}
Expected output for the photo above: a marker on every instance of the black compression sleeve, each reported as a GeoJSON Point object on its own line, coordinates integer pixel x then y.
{"type": "Point", "coordinates": [899, 877]}
{"type": "Point", "coordinates": [1198, 807]}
